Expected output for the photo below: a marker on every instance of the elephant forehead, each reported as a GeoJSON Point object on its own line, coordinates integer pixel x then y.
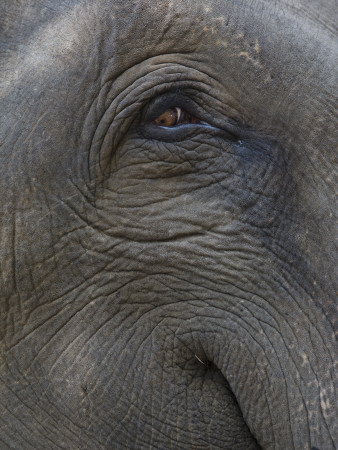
{"type": "Point", "coordinates": [85, 27]}
{"type": "Point", "coordinates": [123, 34]}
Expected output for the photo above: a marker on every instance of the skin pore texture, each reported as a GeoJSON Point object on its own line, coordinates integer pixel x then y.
{"type": "Point", "coordinates": [168, 285]}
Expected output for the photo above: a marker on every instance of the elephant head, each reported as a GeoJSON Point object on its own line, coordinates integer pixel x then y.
{"type": "Point", "coordinates": [167, 224]}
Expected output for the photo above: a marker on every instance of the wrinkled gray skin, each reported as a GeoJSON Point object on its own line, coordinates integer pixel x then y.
{"type": "Point", "coordinates": [168, 287]}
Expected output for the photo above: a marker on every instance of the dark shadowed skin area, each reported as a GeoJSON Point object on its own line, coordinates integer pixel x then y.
{"type": "Point", "coordinates": [168, 288]}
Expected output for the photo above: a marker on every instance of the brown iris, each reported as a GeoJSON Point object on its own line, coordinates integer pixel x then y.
{"type": "Point", "coordinates": [173, 117]}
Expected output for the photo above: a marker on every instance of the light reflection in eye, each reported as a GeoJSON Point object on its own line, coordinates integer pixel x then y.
{"type": "Point", "coordinates": [175, 116]}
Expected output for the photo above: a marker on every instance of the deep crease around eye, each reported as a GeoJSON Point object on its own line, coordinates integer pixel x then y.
{"type": "Point", "coordinates": [173, 117]}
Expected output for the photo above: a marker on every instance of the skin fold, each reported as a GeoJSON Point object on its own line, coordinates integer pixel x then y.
{"type": "Point", "coordinates": [168, 287]}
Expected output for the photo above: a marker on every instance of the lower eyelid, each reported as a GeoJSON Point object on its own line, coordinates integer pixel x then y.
{"type": "Point", "coordinates": [203, 124]}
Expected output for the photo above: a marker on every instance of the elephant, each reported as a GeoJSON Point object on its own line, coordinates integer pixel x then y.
{"type": "Point", "coordinates": [167, 224]}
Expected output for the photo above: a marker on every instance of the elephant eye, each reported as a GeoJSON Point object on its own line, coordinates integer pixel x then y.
{"type": "Point", "coordinates": [173, 117]}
